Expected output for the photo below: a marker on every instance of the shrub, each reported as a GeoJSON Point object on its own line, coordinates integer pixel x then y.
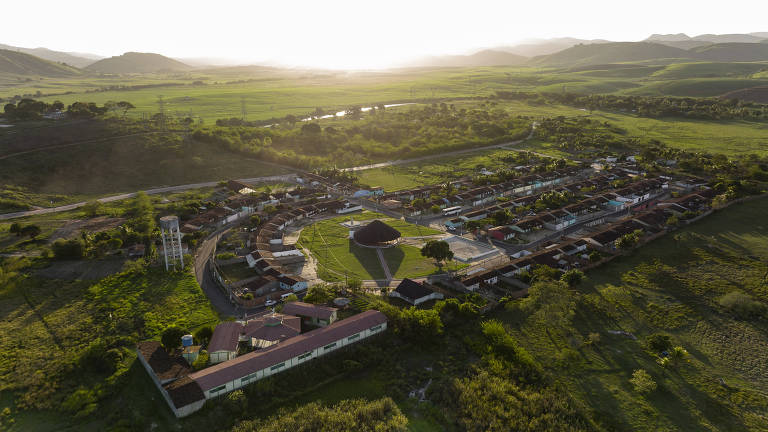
{"type": "Point", "coordinates": [572, 277]}
{"type": "Point", "coordinates": [642, 382]}
{"type": "Point", "coordinates": [742, 305]}
{"type": "Point", "coordinates": [201, 361]}
{"type": "Point", "coordinates": [203, 334]}
{"type": "Point", "coordinates": [248, 296]}
{"type": "Point", "coordinates": [659, 342]}
{"type": "Point", "coordinates": [593, 338]}
{"type": "Point", "coordinates": [68, 249]}
{"type": "Point", "coordinates": [171, 337]}
{"type": "Point", "coordinates": [225, 256]}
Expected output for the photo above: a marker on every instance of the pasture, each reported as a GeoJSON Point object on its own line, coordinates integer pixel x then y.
{"type": "Point", "coordinates": [672, 286]}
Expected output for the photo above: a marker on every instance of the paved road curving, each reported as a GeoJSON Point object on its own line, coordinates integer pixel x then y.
{"type": "Point", "coordinates": [155, 191]}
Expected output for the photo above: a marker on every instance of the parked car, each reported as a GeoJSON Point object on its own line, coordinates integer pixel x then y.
{"type": "Point", "coordinates": [270, 303]}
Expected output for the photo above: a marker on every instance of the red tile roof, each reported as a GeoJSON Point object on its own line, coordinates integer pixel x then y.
{"type": "Point", "coordinates": [163, 365]}
{"type": "Point", "coordinates": [308, 310]}
{"type": "Point", "coordinates": [225, 337]}
{"type": "Point", "coordinates": [231, 370]}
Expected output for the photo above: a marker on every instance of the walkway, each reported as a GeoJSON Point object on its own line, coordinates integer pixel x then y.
{"type": "Point", "coordinates": [384, 265]}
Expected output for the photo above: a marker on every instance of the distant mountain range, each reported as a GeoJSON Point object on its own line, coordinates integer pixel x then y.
{"type": "Point", "coordinates": [558, 52]}
{"type": "Point", "coordinates": [134, 62]}
{"type": "Point", "coordinates": [481, 58]}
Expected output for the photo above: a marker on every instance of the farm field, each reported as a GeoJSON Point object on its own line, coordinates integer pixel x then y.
{"type": "Point", "coordinates": [672, 286]}
{"type": "Point", "coordinates": [338, 256]}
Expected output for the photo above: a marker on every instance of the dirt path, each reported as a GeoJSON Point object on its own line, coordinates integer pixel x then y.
{"type": "Point", "coordinates": [384, 265]}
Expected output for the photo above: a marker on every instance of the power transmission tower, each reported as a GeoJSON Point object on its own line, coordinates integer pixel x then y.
{"type": "Point", "coordinates": [243, 110]}
{"type": "Point", "coordinates": [161, 110]}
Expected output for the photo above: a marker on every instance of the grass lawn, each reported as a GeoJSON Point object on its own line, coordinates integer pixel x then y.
{"type": "Point", "coordinates": [238, 271]}
{"type": "Point", "coordinates": [329, 243]}
{"type": "Point", "coordinates": [672, 286]}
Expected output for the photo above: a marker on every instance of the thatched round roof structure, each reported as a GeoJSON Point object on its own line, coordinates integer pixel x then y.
{"type": "Point", "coordinates": [376, 233]}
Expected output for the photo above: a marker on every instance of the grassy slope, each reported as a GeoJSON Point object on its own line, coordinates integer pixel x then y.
{"type": "Point", "coordinates": [708, 70]}
{"type": "Point", "coordinates": [128, 164]}
{"type": "Point", "coordinates": [672, 286]}
{"type": "Point", "coordinates": [18, 63]}
{"type": "Point", "coordinates": [49, 323]}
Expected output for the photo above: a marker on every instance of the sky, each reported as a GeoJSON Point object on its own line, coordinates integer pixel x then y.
{"type": "Point", "coordinates": [352, 33]}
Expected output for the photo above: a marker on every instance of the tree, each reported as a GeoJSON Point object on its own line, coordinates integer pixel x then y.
{"type": "Point", "coordinates": [677, 355]}
{"type": "Point", "coordinates": [439, 250]}
{"type": "Point", "coordinates": [355, 285]}
{"type": "Point", "coordinates": [31, 231]}
{"type": "Point", "coordinates": [291, 298]}
{"type": "Point", "coordinates": [658, 342]}
{"type": "Point", "coordinates": [642, 381]}
{"type": "Point", "coordinates": [435, 209]}
{"type": "Point", "coordinates": [318, 294]}
{"type": "Point", "coordinates": [125, 106]}
{"type": "Point", "coordinates": [628, 241]}
{"type": "Point", "coordinates": [15, 228]}
{"type": "Point", "coordinates": [171, 337]}
{"type": "Point", "coordinates": [93, 208]}
{"type": "Point", "coordinates": [203, 335]}
{"type": "Point", "coordinates": [550, 303]}
{"type": "Point", "coordinates": [68, 249]}
{"type": "Point", "coordinates": [255, 220]}
{"type": "Point", "coordinates": [572, 277]}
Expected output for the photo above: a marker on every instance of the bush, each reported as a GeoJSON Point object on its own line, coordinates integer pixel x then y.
{"type": "Point", "coordinates": [203, 335]}
{"type": "Point", "coordinates": [98, 358]}
{"type": "Point", "coordinates": [68, 249]}
{"type": "Point", "coordinates": [201, 361]}
{"type": "Point", "coordinates": [171, 337]}
{"type": "Point", "coordinates": [572, 277]}
{"type": "Point", "coordinates": [659, 342]}
{"type": "Point", "coordinates": [642, 382]}
{"type": "Point", "coordinates": [225, 256]}
{"type": "Point", "coordinates": [248, 296]}
{"type": "Point", "coordinates": [742, 305]}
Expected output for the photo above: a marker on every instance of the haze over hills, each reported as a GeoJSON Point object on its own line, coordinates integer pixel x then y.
{"type": "Point", "coordinates": [135, 62]}
{"type": "Point", "coordinates": [614, 52]}
{"type": "Point", "coordinates": [19, 63]}
{"type": "Point", "coordinates": [79, 60]}
{"type": "Point", "coordinates": [547, 46]}
{"type": "Point", "coordinates": [481, 58]}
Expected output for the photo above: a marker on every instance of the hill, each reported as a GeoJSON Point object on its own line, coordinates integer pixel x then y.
{"type": "Point", "coordinates": [752, 94]}
{"type": "Point", "coordinates": [668, 37]}
{"type": "Point", "coordinates": [733, 52]}
{"type": "Point", "coordinates": [73, 59]}
{"type": "Point", "coordinates": [547, 46]}
{"type": "Point", "coordinates": [709, 70]}
{"type": "Point", "coordinates": [134, 62]}
{"type": "Point", "coordinates": [686, 44]}
{"type": "Point", "coordinates": [614, 52]}
{"type": "Point", "coordinates": [481, 58]}
{"type": "Point", "coordinates": [18, 63]}
{"type": "Point", "coordinates": [729, 38]}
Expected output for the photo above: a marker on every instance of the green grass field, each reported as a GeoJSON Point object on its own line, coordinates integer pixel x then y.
{"type": "Point", "coordinates": [672, 285]}
{"type": "Point", "coordinates": [338, 256]}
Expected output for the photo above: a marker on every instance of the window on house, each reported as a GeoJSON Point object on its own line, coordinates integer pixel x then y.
{"type": "Point", "coordinates": [377, 328]}
{"type": "Point", "coordinates": [218, 389]}
{"type": "Point", "coordinates": [329, 346]}
{"type": "Point", "coordinates": [353, 337]}
{"type": "Point", "coordinates": [305, 355]}
{"type": "Point", "coordinates": [277, 366]}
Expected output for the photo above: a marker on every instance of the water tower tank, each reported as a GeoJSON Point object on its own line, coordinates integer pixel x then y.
{"type": "Point", "coordinates": [187, 340]}
{"type": "Point", "coordinates": [169, 223]}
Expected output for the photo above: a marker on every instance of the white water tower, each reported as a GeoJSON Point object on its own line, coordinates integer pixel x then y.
{"type": "Point", "coordinates": [169, 229]}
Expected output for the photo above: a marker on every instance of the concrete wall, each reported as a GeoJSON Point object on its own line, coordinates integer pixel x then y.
{"type": "Point", "coordinates": [295, 361]}
{"type": "Point", "coordinates": [221, 356]}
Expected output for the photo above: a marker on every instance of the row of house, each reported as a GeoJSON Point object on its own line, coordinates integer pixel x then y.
{"type": "Point", "coordinates": [479, 196]}
{"type": "Point", "coordinates": [186, 391]}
